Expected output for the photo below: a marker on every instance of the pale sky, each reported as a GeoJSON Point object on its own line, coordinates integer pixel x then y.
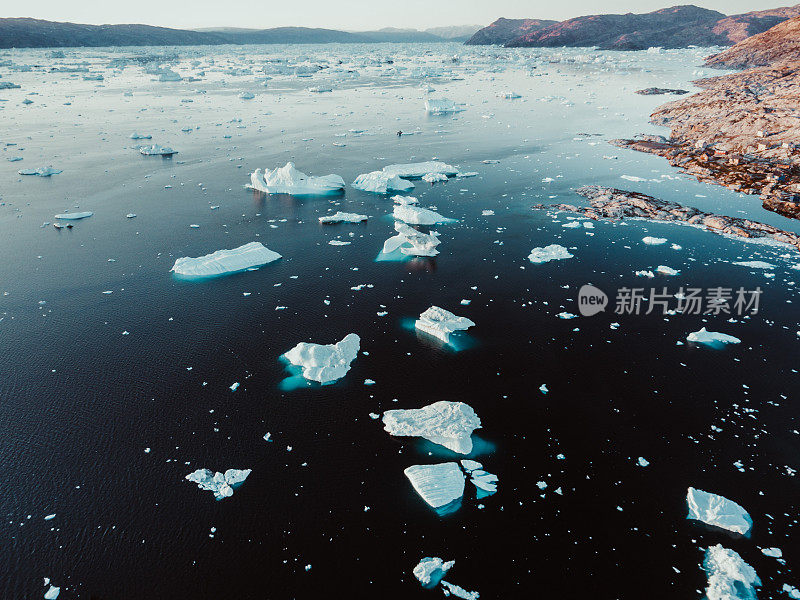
{"type": "Point", "coordinates": [338, 14]}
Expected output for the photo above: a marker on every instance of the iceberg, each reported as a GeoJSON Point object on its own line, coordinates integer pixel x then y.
{"type": "Point", "coordinates": [729, 577]}
{"type": "Point", "coordinates": [343, 217]}
{"type": "Point", "coordinates": [439, 485]}
{"type": "Point", "coordinates": [74, 216]}
{"type": "Point", "coordinates": [221, 484]}
{"type": "Point", "coordinates": [654, 241]}
{"type": "Point", "coordinates": [418, 170]}
{"type": "Point", "coordinates": [441, 106]}
{"type": "Point", "coordinates": [155, 150]}
{"type": "Point", "coordinates": [430, 570]}
{"type": "Point", "coordinates": [440, 323]}
{"type": "Point", "coordinates": [412, 242]}
{"type": "Point", "coordinates": [404, 200]}
{"type": "Point", "coordinates": [755, 264]}
{"type": "Point", "coordinates": [288, 180]}
{"type": "Point", "coordinates": [718, 511]}
{"type": "Point", "coordinates": [40, 172]}
{"type": "Point", "coordinates": [52, 593]}
{"type": "Point", "coordinates": [433, 178]}
{"type": "Point", "coordinates": [449, 424]}
{"type": "Point", "coordinates": [548, 253]}
{"type": "Point", "coordinates": [459, 592]}
{"type": "Point", "coordinates": [711, 337]}
{"type": "Point", "coordinates": [379, 182]}
{"type": "Point", "coordinates": [140, 136]}
{"type": "Point", "coordinates": [665, 270]}
{"type": "Point", "coordinates": [249, 256]}
{"type": "Point", "coordinates": [325, 363]}
{"type": "Point", "coordinates": [247, 95]}
{"type": "Point", "coordinates": [414, 215]}
{"type": "Point", "coordinates": [484, 481]}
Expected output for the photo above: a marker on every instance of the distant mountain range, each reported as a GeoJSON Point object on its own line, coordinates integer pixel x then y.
{"type": "Point", "coordinates": [36, 33]}
{"type": "Point", "coordinates": [675, 27]}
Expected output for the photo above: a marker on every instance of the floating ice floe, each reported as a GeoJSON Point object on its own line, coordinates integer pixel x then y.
{"type": "Point", "coordinates": [412, 242]}
{"type": "Point", "coordinates": [140, 136]}
{"type": "Point", "coordinates": [665, 270]}
{"type": "Point", "coordinates": [440, 106]}
{"type": "Point", "coordinates": [74, 216]}
{"type": "Point", "coordinates": [439, 485]}
{"type": "Point", "coordinates": [459, 592]}
{"type": "Point", "coordinates": [155, 150]}
{"type": "Point", "coordinates": [440, 323]}
{"type": "Point", "coordinates": [548, 253]}
{"type": "Point", "coordinates": [430, 571]}
{"type": "Point", "coordinates": [379, 182]}
{"type": "Point", "coordinates": [772, 552]}
{"type": "Point", "coordinates": [404, 200]}
{"type": "Point", "coordinates": [755, 264]}
{"type": "Point", "coordinates": [247, 95]}
{"type": "Point", "coordinates": [40, 172]}
{"type": "Point", "coordinates": [325, 363]}
{"type": "Point", "coordinates": [222, 484]}
{"type": "Point", "coordinates": [449, 424]}
{"type": "Point", "coordinates": [221, 262]}
{"type": "Point", "coordinates": [485, 482]}
{"type": "Point", "coordinates": [718, 511]}
{"type": "Point", "coordinates": [343, 217]}
{"type": "Point", "coordinates": [288, 180]}
{"type": "Point", "coordinates": [711, 337]}
{"type": "Point", "coordinates": [729, 577]}
{"type": "Point", "coordinates": [654, 241]}
{"type": "Point", "coordinates": [418, 170]}
{"type": "Point", "coordinates": [415, 215]}
{"type": "Point", "coordinates": [52, 592]}
{"type": "Point", "coordinates": [508, 95]}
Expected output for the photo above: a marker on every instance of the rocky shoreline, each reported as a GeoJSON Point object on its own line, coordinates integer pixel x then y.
{"type": "Point", "coordinates": [614, 204]}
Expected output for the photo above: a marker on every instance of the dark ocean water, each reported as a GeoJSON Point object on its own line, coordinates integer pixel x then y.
{"type": "Point", "coordinates": [80, 402]}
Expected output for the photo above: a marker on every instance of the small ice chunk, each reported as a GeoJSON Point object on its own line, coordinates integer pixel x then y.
{"type": "Point", "coordinates": [642, 461]}
{"type": "Point", "coordinates": [440, 106]}
{"type": "Point", "coordinates": [343, 217]}
{"type": "Point", "coordinates": [460, 592]}
{"type": "Point", "coordinates": [325, 363]}
{"type": "Point", "coordinates": [248, 256]}
{"type": "Point", "coordinates": [440, 323]}
{"type": "Point", "coordinates": [439, 484]}
{"type": "Point", "coordinates": [711, 337]}
{"type": "Point", "coordinates": [729, 577]}
{"type": "Point", "coordinates": [548, 253]}
{"type": "Point", "coordinates": [755, 264]}
{"type": "Point", "coordinates": [74, 216]}
{"type": "Point", "coordinates": [50, 517]}
{"type": "Point", "coordinates": [155, 150]}
{"type": "Point", "coordinates": [433, 177]}
{"type": "Point", "coordinates": [52, 593]}
{"type": "Point", "coordinates": [221, 484]}
{"type": "Point", "coordinates": [430, 570]}
{"type": "Point", "coordinates": [288, 180]}
{"type": "Point", "coordinates": [665, 270]}
{"type": "Point", "coordinates": [772, 552]}
{"type": "Point", "coordinates": [412, 242]}
{"type": "Point", "coordinates": [449, 424]}
{"type": "Point", "coordinates": [140, 136]}
{"type": "Point", "coordinates": [718, 511]}
{"type": "Point", "coordinates": [416, 215]}
{"type": "Point", "coordinates": [405, 200]}
{"type": "Point", "coordinates": [40, 172]}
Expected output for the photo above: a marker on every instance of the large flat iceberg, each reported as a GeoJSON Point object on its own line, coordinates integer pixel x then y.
{"type": "Point", "coordinates": [325, 363]}
{"type": "Point", "coordinates": [440, 323]}
{"type": "Point", "coordinates": [729, 577]}
{"type": "Point", "coordinates": [343, 217]}
{"type": "Point", "coordinates": [439, 485]}
{"type": "Point", "coordinates": [221, 262]}
{"type": "Point", "coordinates": [711, 337]}
{"type": "Point", "coordinates": [418, 170]}
{"type": "Point", "coordinates": [718, 511]}
{"type": "Point", "coordinates": [449, 424]}
{"type": "Point", "coordinates": [288, 180]}
{"type": "Point", "coordinates": [222, 484]}
{"type": "Point", "coordinates": [548, 253]}
{"type": "Point", "coordinates": [416, 215]}
{"type": "Point", "coordinates": [379, 182]}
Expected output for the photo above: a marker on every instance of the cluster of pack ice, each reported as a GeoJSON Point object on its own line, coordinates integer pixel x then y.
{"type": "Point", "coordinates": [415, 215]}
{"type": "Point", "coordinates": [412, 242]}
{"type": "Point", "coordinates": [288, 180]}
{"type": "Point", "coordinates": [155, 150]}
{"type": "Point", "coordinates": [440, 323]}
{"type": "Point", "coordinates": [449, 424]}
{"type": "Point", "coordinates": [248, 256]}
{"type": "Point", "coordinates": [716, 510]}
{"type": "Point", "coordinates": [431, 570]}
{"type": "Point", "coordinates": [729, 576]}
{"type": "Point", "coordinates": [40, 172]}
{"type": "Point", "coordinates": [343, 217]}
{"type": "Point", "coordinates": [439, 485]}
{"type": "Point", "coordinates": [379, 182]}
{"type": "Point", "coordinates": [222, 484]}
{"type": "Point", "coordinates": [711, 337]}
{"type": "Point", "coordinates": [325, 363]}
{"type": "Point", "coordinates": [440, 106]}
{"type": "Point", "coordinates": [548, 253]}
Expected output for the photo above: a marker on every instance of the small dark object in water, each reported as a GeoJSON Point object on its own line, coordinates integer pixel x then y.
{"type": "Point", "coordinates": [399, 133]}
